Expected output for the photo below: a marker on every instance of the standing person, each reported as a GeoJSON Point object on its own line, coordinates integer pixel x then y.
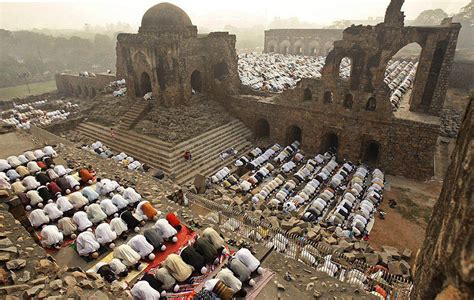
{"type": "Point", "coordinates": [112, 133]}
{"type": "Point", "coordinates": [187, 155]}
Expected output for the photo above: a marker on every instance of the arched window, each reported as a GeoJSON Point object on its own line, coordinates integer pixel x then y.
{"type": "Point", "coordinates": [400, 73]}
{"type": "Point", "coordinates": [145, 84]}
{"type": "Point", "coordinates": [79, 90]}
{"type": "Point", "coordinates": [221, 71]}
{"type": "Point", "coordinates": [196, 82]}
{"type": "Point", "coordinates": [262, 129]}
{"type": "Point", "coordinates": [86, 91]}
{"type": "Point", "coordinates": [93, 93]}
{"type": "Point", "coordinates": [328, 97]}
{"type": "Point", "coordinates": [293, 134]}
{"type": "Point", "coordinates": [330, 142]}
{"type": "Point", "coordinates": [371, 154]}
{"type": "Point", "coordinates": [345, 68]}
{"type": "Point", "coordinates": [160, 77]}
{"type": "Point", "coordinates": [298, 48]}
{"type": "Point", "coordinates": [348, 101]}
{"type": "Point", "coordinates": [308, 95]}
{"type": "Point", "coordinates": [71, 90]}
{"type": "Point", "coordinates": [371, 104]}
{"type": "Point", "coordinates": [271, 48]}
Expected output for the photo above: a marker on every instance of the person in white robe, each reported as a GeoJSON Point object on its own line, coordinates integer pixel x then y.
{"type": "Point", "coordinates": [95, 213]}
{"type": "Point", "coordinates": [60, 170]}
{"type": "Point", "coordinates": [49, 151]}
{"type": "Point", "coordinates": [75, 185]}
{"type": "Point", "coordinates": [247, 258]}
{"type": "Point", "coordinates": [127, 255]}
{"type": "Point", "coordinates": [64, 205]}
{"type": "Point", "coordinates": [118, 226]}
{"type": "Point", "coordinates": [53, 211]}
{"type": "Point", "coordinates": [4, 165]}
{"type": "Point", "coordinates": [35, 199]}
{"type": "Point", "coordinates": [131, 196]}
{"type": "Point", "coordinates": [38, 218]}
{"type": "Point", "coordinates": [167, 231]}
{"type": "Point", "coordinates": [33, 167]}
{"type": "Point", "coordinates": [39, 154]}
{"type": "Point", "coordinates": [30, 183]}
{"type": "Point", "coordinates": [51, 237]}
{"type": "Point", "coordinates": [143, 291]}
{"type": "Point", "coordinates": [108, 207]}
{"type": "Point", "coordinates": [105, 235]}
{"type": "Point", "coordinates": [118, 267]}
{"type": "Point", "coordinates": [119, 201]}
{"type": "Point", "coordinates": [141, 245]}
{"type": "Point", "coordinates": [90, 194]}
{"type": "Point", "coordinates": [87, 244]}
{"type": "Point", "coordinates": [80, 218]}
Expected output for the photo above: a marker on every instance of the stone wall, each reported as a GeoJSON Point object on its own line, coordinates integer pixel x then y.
{"type": "Point", "coordinates": [445, 265]}
{"type": "Point", "coordinates": [462, 74]}
{"type": "Point", "coordinates": [301, 41]}
{"type": "Point", "coordinates": [82, 87]}
{"type": "Point", "coordinates": [405, 147]}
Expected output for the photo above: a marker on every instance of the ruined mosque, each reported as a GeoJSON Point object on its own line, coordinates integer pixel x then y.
{"type": "Point", "coordinates": [311, 170]}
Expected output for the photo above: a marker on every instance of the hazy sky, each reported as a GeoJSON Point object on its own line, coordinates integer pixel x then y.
{"type": "Point", "coordinates": [213, 14]}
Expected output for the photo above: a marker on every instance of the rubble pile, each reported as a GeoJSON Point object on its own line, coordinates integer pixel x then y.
{"type": "Point", "coordinates": [450, 123]}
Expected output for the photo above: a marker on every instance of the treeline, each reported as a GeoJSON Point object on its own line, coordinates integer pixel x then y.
{"type": "Point", "coordinates": [40, 56]}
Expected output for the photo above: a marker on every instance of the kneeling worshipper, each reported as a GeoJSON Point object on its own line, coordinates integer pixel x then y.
{"type": "Point", "coordinates": [60, 170]}
{"type": "Point", "coordinates": [64, 185]}
{"type": "Point", "coordinates": [229, 279]}
{"type": "Point", "coordinates": [95, 213]}
{"type": "Point", "coordinates": [246, 257]}
{"type": "Point", "coordinates": [83, 223]}
{"type": "Point", "coordinates": [104, 270]}
{"type": "Point", "coordinates": [194, 259]}
{"type": "Point", "coordinates": [14, 161]}
{"type": "Point", "coordinates": [38, 218]}
{"type": "Point", "coordinates": [140, 244]}
{"type": "Point", "coordinates": [206, 249]}
{"type": "Point", "coordinates": [33, 167]}
{"type": "Point", "coordinates": [90, 194]}
{"type": "Point", "coordinates": [45, 194]}
{"type": "Point", "coordinates": [143, 291]}
{"type": "Point", "coordinates": [128, 256]}
{"type": "Point", "coordinates": [118, 226]}
{"type": "Point", "coordinates": [29, 155]}
{"type": "Point", "coordinates": [178, 268]}
{"type": "Point", "coordinates": [105, 236]}
{"type": "Point", "coordinates": [77, 200]}
{"type": "Point", "coordinates": [5, 188]}
{"type": "Point", "coordinates": [39, 154]}
{"type": "Point", "coordinates": [21, 170]}
{"type": "Point", "coordinates": [132, 222]}
{"type": "Point", "coordinates": [65, 206]}
{"type": "Point", "coordinates": [18, 188]}
{"type": "Point", "coordinates": [119, 201]}
{"type": "Point", "coordinates": [118, 267]}
{"type": "Point", "coordinates": [67, 227]}
{"type": "Point", "coordinates": [13, 175]}
{"type": "Point", "coordinates": [154, 283]}
{"type": "Point", "coordinates": [53, 211]}
{"type": "Point", "coordinates": [87, 245]}
{"type": "Point", "coordinates": [107, 186]}
{"type": "Point", "coordinates": [154, 238]}
{"type": "Point", "coordinates": [131, 196]}
{"type": "Point", "coordinates": [217, 287]}
{"type": "Point", "coordinates": [174, 221]}
{"type": "Point", "coordinates": [35, 199]}
{"type": "Point", "coordinates": [49, 151]}
{"type": "Point", "coordinates": [241, 271]}
{"type": "Point", "coordinates": [52, 175]}
{"type": "Point", "coordinates": [30, 183]}
{"type": "Point", "coordinates": [54, 189]}
{"type": "Point", "coordinates": [215, 239]}
{"type": "Point", "coordinates": [4, 165]}
{"type": "Point", "coordinates": [75, 185]}
{"type": "Point", "coordinates": [146, 211]}
{"type": "Point", "coordinates": [87, 177]}
{"type": "Point", "coordinates": [168, 282]}
{"type": "Point", "coordinates": [51, 237]}
{"type": "Point", "coordinates": [108, 207]}
{"type": "Point", "coordinates": [166, 230]}
{"type": "Point", "coordinates": [42, 178]}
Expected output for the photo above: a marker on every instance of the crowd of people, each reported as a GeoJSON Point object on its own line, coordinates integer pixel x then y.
{"type": "Point", "coordinates": [24, 115]}
{"type": "Point", "coordinates": [278, 72]}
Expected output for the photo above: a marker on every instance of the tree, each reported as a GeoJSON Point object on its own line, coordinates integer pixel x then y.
{"type": "Point", "coordinates": [430, 17]}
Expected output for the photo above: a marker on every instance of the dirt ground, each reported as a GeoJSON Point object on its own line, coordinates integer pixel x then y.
{"type": "Point", "coordinates": [14, 144]}
{"type": "Point", "coordinates": [404, 226]}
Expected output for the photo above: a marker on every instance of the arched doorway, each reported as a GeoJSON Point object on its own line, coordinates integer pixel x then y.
{"type": "Point", "coordinates": [345, 67]}
{"type": "Point", "coordinates": [308, 95]}
{"type": "Point", "coordinates": [262, 129]}
{"type": "Point", "coordinates": [196, 81]}
{"type": "Point", "coordinates": [327, 97]}
{"type": "Point", "coordinates": [221, 71]}
{"type": "Point", "coordinates": [145, 84]}
{"type": "Point", "coordinates": [93, 93]}
{"type": "Point", "coordinates": [79, 90]}
{"type": "Point", "coordinates": [371, 154]}
{"type": "Point", "coordinates": [330, 143]}
{"type": "Point", "coordinates": [348, 101]}
{"type": "Point", "coordinates": [293, 134]}
{"type": "Point", "coordinates": [271, 48]}
{"type": "Point", "coordinates": [371, 104]}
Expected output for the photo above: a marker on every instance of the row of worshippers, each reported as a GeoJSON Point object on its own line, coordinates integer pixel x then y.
{"type": "Point", "coordinates": [122, 158]}
{"type": "Point", "coordinates": [400, 77]}
{"type": "Point", "coordinates": [194, 260]}
{"type": "Point", "coordinates": [15, 168]}
{"type": "Point", "coordinates": [39, 117]}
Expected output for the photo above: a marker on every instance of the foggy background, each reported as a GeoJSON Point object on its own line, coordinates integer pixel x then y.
{"type": "Point", "coordinates": [41, 38]}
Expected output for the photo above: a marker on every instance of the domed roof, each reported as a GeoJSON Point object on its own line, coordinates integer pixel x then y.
{"type": "Point", "coordinates": [165, 14]}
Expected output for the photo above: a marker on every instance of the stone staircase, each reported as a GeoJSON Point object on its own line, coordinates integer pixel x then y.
{"type": "Point", "coordinates": [134, 114]}
{"type": "Point", "coordinates": [205, 148]}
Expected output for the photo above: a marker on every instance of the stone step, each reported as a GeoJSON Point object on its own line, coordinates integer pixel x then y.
{"type": "Point", "coordinates": [213, 149]}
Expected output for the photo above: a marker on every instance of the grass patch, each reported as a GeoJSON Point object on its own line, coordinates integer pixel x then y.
{"type": "Point", "coordinates": [412, 211]}
{"type": "Point", "coordinates": [38, 88]}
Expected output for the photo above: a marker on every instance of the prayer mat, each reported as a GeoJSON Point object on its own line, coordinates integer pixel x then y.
{"type": "Point", "coordinates": [101, 251]}
{"type": "Point", "coordinates": [132, 272]}
{"type": "Point", "coordinates": [260, 282]}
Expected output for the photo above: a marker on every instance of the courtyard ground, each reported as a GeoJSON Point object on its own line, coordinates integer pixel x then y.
{"type": "Point", "coordinates": [19, 91]}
